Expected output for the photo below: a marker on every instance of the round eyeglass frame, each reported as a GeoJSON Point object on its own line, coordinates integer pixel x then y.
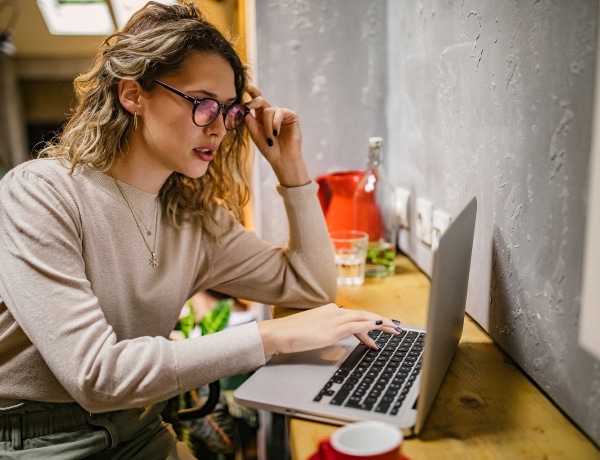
{"type": "Point", "coordinates": [235, 121]}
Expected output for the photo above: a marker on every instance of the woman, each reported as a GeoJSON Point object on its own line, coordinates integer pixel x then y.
{"type": "Point", "coordinates": [134, 209]}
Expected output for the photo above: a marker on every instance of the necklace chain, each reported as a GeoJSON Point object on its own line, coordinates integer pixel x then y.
{"type": "Point", "coordinates": [148, 229]}
{"type": "Point", "coordinates": [153, 258]}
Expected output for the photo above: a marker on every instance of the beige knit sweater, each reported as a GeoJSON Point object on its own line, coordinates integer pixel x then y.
{"type": "Point", "coordinates": [83, 316]}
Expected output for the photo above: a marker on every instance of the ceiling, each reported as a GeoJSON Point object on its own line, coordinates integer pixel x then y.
{"type": "Point", "coordinates": [33, 40]}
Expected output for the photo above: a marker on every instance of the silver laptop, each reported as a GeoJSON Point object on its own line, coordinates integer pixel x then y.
{"type": "Point", "coordinates": [348, 382]}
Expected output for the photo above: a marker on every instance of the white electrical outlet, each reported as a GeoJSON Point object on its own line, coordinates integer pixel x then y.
{"type": "Point", "coordinates": [402, 198]}
{"type": "Point", "coordinates": [424, 220]}
{"type": "Point", "coordinates": [440, 222]}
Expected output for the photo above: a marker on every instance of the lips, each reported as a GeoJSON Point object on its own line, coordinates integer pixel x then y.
{"type": "Point", "coordinates": [205, 153]}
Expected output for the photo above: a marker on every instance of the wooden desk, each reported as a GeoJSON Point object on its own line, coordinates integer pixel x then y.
{"type": "Point", "coordinates": [486, 408]}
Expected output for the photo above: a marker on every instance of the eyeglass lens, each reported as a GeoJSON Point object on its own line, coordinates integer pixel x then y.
{"type": "Point", "coordinates": [207, 110]}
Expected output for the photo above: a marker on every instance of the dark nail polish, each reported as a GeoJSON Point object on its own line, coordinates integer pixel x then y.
{"type": "Point", "coordinates": [399, 329]}
{"type": "Point", "coordinates": [396, 322]}
{"type": "Point", "coordinates": [275, 133]}
{"type": "Point", "coordinates": [378, 322]}
{"type": "Point", "coordinates": [270, 141]}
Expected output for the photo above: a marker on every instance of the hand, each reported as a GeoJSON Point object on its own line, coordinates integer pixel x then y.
{"type": "Point", "coordinates": [321, 327]}
{"type": "Point", "coordinates": [276, 133]}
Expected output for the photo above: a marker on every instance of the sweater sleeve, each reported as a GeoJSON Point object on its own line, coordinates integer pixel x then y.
{"type": "Point", "coordinates": [52, 322]}
{"type": "Point", "coordinates": [302, 274]}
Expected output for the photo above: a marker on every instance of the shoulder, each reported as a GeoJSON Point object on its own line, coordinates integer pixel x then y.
{"type": "Point", "coordinates": [49, 170]}
{"type": "Point", "coordinates": [40, 182]}
{"type": "Point", "coordinates": [54, 173]}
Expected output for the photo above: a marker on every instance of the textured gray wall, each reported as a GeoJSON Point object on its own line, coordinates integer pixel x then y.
{"type": "Point", "coordinates": [474, 98]}
{"type": "Point", "coordinates": [327, 61]}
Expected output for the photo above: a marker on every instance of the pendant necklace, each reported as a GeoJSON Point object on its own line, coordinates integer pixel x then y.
{"type": "Point", "coordinates": [152, 251]}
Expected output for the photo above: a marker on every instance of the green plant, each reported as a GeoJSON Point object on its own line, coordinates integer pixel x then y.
{"type": "Point", "coordinates": [214, 321]}
{"type": "Point", "coordinates": [217, 319]}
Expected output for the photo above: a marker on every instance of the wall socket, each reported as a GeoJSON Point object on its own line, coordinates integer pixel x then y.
{"type": "Point", "coordinates": [402, 198]}
{"type": "Point", "coordinates": [440, 222]}
{"type": "Point", "coordinates": [424, 220]}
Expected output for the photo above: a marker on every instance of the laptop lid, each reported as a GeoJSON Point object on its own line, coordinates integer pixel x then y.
{"type": "Point", "coordinates": [288, 383]}
{"type": "Point", "coordinates": [447, 303]}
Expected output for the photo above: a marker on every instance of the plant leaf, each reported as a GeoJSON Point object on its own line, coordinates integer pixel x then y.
{"type": "Point", "coordinates": [187, 322]}
{"type": "Point", "coordinates": [217, 318]}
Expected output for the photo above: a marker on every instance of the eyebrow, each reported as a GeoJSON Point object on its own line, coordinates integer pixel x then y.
{"type": "Point", "coordinates": [214, 96]}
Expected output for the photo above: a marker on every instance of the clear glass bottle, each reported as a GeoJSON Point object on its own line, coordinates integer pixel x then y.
{"type": "Point", "coordinates": [373, 212]}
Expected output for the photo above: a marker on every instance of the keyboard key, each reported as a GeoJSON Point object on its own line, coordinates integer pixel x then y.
{"type": "Point", "coordinates": [354, 357]}
{"type": "Point", "coordinates": [382, 408]}
{"type": "Point", "coordinates": [340, 397]}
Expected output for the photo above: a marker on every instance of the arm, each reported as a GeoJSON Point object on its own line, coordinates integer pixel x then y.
{"type": "Point", "coordinates": [300, 275]}
{"type": "Point", "coordinates": [303, 274]}
{"type": "Point", "coordinates": [276, 132]}
{"type": "Point", "coordinates": [56, 323]}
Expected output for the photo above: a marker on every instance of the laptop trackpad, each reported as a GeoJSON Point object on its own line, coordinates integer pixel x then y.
{"type": "Point", "coordinates": [322, 357]}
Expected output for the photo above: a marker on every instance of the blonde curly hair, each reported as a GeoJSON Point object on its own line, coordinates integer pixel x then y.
{"type": "Point", "coordinates": [155, 42]}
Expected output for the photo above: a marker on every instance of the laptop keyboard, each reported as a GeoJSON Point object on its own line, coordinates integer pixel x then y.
{"type": "Point", "coordinates": [374, 380]}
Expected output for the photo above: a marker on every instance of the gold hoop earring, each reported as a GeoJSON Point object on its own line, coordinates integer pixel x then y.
{"type": "Point", "coordinates": [135, 121]}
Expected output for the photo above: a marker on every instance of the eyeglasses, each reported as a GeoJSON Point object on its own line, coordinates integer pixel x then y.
{"type": "Point", "coordinates": [206, 110]}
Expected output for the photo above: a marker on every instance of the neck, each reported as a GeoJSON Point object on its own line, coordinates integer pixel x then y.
{"type": "Point", "coordinates": [139, 174]}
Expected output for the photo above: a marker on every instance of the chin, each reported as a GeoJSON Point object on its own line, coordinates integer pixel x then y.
{"type": "Point", "coordinates": [193, 173]}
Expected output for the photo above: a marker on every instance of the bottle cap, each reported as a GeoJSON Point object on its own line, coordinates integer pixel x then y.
{"type": "Point", "coordinates": [375, 141]}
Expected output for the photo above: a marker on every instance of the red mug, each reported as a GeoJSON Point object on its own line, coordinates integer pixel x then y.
{"type": "Point", "coordinates": [363, 440]}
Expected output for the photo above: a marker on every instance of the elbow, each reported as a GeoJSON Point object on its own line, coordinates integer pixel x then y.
{"type": "Point", "coordinates": [97, 395]}
{"type": "Point", "coordinates": [330, 291]}
{"type": "Point", "coordinates": [326, 292]}
{"type": "Point", "coordinates": [96, 400]}
{"type": "Point", "coordinates": [328, 285]}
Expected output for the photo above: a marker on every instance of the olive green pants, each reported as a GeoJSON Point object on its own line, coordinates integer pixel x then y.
{"type": "Point", "coordinates": [35, 430]}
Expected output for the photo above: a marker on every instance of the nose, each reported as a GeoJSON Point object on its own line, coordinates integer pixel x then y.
{"type": "Point", "coordinates": [217, 126]}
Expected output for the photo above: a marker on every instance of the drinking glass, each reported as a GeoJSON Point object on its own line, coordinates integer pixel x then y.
{"type": "Point", "coordinates": [350, 255]}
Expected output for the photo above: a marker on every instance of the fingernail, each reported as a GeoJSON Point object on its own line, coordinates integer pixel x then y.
{"type": "Point", "coordinates": [378, 322]}
{"type": "Point", "coordinates": [275, 133]}
{"type": "Point", "coordinates": [270, 141]}
{"type": "Point", "coordinates": [399, 329]}
{"type": "Point", "coordinates": [396, 322]}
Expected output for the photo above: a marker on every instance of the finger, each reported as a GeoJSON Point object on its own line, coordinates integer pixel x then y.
{"type": "Point", "coordinates": [368, 341]}
{"type": "Point", "coordinates": [267, 121]}
{"type": "Point", "coordinates": [254, 128]}
{"type": "Point", "coordinates": [389, 326]}
{"type": "Point", "coordinates": [257, 103]}
{"type": "Point", "coordinates": [367, 318]}
{"type": "Point", "coordinates": [381, 323]}
{"type": "Point", "coordinates": [253, 91]}
{"type": "Point", "coordinates": [258, 131]}
{"type": "Point", "coordinates": [278, 118]}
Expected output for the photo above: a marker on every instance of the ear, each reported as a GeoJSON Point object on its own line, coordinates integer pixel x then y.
{"type": "Point", "coordinates": [130, 93]}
